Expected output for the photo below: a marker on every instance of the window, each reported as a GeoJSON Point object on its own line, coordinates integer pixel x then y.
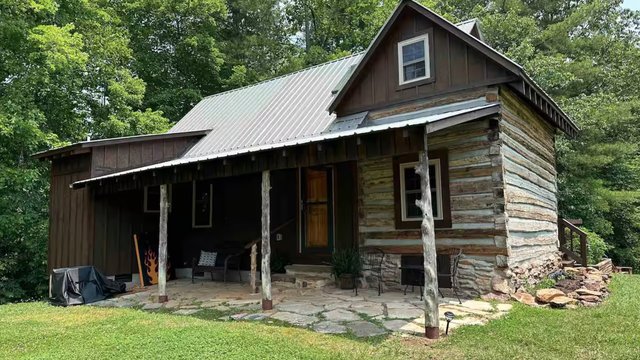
{"type": "Point", "coordinates": [407, 190]}
{"type": "Point", "coordinates": [152, 199]}
{"type": "Point", "coordinates": [410, 188]}
{"type": "Point", "coordinates": [413, 59]}
{"type": "Point", "coordinates": [202, 205]}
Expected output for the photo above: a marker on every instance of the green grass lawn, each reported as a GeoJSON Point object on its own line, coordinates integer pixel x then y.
{"type": "Point", "coordinates": [39, 331]}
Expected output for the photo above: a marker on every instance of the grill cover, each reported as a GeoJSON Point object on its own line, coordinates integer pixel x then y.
{"type": "Point", "coordinates": [81, 285]}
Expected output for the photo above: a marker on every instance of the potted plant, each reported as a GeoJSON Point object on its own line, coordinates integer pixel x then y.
{"type": "Point", "coordinates": [346, 266]}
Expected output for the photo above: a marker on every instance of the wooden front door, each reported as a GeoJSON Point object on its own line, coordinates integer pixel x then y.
{"type": "Point", "coordinates": [317, 210]}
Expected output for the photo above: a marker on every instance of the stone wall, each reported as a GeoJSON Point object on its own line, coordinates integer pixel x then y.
{"type": "Point", "coordinates": [476, 274]}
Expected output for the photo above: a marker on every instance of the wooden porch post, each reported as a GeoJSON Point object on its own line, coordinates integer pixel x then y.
{"type": "Point", "coordinates": [254, 267]}
{"type": "Point", "coordinates": [431, 323]}
{"type": "Point", "coordinates": [162, 245]}
{"type": "Point", "coordinates": [267, 303]}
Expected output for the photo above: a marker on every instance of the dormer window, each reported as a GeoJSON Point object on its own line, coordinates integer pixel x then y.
{"type": "Point", "coordinates": [413, 59]}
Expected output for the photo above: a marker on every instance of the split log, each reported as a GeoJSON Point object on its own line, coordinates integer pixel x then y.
{"type": "Point", "coordinates": [267, 303]}
{"type": "Point", "coordinates": [254, 267]}
{"type": "Point", "coordinates": [431, 323]}
{"type": "Point", "coordinates": [162, 245]}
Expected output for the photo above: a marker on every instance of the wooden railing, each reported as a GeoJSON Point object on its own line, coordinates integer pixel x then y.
{"type": "Point", "coordinates": [254, 253]}
{"type": "Point", "coordinates": [573, 241]}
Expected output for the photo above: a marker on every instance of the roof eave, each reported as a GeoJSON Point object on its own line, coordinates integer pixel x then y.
{"type": "Point", "coordinates": [76, 147]}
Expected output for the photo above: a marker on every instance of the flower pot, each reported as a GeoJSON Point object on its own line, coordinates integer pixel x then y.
{"type": "Point", "coordinates": [345, 281]}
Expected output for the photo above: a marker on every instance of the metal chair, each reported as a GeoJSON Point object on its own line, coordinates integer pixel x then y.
{"type": "Point", "coordinates": [454, 274]}
{"type": "Point", "coordinates": [373, 264]}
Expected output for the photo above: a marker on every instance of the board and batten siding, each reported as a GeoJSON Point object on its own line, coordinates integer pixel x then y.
{"type": "Point", "coordinates": [71, 214]}
{"type": "Point", "coordinates": [477, 206]}
{"type": "Point", "coordinates": [528, 148]}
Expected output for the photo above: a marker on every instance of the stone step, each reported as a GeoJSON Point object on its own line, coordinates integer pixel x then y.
{"type": "Point", "coordinates": [311, 271]}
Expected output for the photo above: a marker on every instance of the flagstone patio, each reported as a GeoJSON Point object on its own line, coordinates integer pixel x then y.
{"type": "Point", "coordinates": [327, 310]}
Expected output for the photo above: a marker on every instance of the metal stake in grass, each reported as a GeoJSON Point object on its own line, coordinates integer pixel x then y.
{"type": "Point", "coordinates": [449, 316]}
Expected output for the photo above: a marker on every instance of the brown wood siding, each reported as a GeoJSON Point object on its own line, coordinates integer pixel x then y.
{"type": "Point", "coordinates": [455, 67]}
{"type": "Point", "coordinates": [70, 214]}
{"type": "Point", "coordinates": [118, 157]}
{"type": "Point", "coordinates": [475, 182]}
{"type": "Point", "coordinates": [117, 218]}
{"type": "Point", "coordinates": [530, 182]}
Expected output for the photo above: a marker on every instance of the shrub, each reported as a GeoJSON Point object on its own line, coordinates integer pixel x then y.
{"type": "Point", "coordinates": [597, 247]}
{"type": "Point", "coordinates": [346, 261]}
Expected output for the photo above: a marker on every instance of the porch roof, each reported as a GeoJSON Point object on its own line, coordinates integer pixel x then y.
{"type": "Point", "coordinates": [436, 118]}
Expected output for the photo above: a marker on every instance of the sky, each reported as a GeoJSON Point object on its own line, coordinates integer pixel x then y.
{"type": "Point", "coordinates": [632, 4]}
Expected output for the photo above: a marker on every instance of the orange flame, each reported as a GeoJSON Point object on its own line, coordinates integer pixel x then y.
{"type": "Point", "coordinates": [151, 263]}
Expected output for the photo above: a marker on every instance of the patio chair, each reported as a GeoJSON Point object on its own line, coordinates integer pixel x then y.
{"type": "Point", "coordinates": [217, 261]}
{"type": "Point", "coordinates": [453, 275]}
{"type": "Point", "coordinates": [374, 258]}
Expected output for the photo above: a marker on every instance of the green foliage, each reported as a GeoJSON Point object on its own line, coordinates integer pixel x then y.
{"type": "Point", "coordinates": [598, 248]}
{"type": "Point", "coordinates": [77, 68]}
{"type": "Point", "coordinates": [346, 261]}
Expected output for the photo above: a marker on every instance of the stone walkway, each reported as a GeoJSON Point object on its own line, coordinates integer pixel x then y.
{"type": "Point", "coordinates": [328, 310]}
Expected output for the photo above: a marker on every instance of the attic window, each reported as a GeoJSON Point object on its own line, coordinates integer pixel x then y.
{"type": "Point", "coordinates": [413, 59]}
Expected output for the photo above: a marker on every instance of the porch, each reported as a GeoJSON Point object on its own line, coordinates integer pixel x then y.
{"type": "Point", "coordinates": [326, 310]}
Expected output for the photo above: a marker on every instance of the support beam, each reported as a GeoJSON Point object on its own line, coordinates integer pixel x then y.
{"type": "Point", "coordinates": [254, 267]}
{"type": "Point", "coordinates": [430, 295]}
{"type": "Point", "coordinates": [162, 245]}
{"type": "Point", "coordinates": [265, 270]}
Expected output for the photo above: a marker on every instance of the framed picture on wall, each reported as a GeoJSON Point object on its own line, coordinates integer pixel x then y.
{"type": "Point", "coordinates": [202, 205]}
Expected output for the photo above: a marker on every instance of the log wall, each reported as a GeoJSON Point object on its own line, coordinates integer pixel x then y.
{"type": "Point", "coordinates": [528, 151]}
{"type": "Point", "coordinates": [477, 206]}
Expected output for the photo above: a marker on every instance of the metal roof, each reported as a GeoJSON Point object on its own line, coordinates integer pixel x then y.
{"type": "Point", "coordinates": [117, 140]}
{"type": "Point", "coordinates": [436, 118]}
{"type": "Point", "coordinates": [282, 109]}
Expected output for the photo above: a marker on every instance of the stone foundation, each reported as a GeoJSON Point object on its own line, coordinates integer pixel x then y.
{"type": "Point", "coordinates": [391, 274]}
{"type": "Point", "coordinates": [532, 272]}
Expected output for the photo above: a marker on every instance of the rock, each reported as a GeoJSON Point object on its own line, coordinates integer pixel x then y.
{"type": "Point", "coordinates": [329, 327]}
{"type": "Point", "coordinates": [524, 298]}
{"type": "Point", "coordinates": [594, 285]}
{"type": "Point", "coordinates": [300, 308]}
{"type": "Point", "coordinates": [500, 285]}
{"type": "Point", "coordinates": [407, 313]}
{"type": "Point", "coordinates": [477, 305]}
{"type": "Point", "coordinates": [546, 295]}
{"type": "Point", "coordinates": [235, 303]}
{"type": "Point", "coordinates": [365, 329]}
{"type": "Point", "coordinates": [561, 301]}
{"type": "Point", "coordinates": [589, 298]}
{"type": "Point", "coordinates": [294, 319]}
{"type": "Point", "coordinates": [256, 317]}
{"type": "Point", "coordinates": [152, 306]}
{"type": "Point", "coordinates": [239, 316]}
{"type": "Point", "coordinates": [504, 307]}
{"type": "Point", "coordinates": [584, 291]}
{"type": "Point", "coordinates": [495, 297]}
{"type": "Point", "coordinates": [394, 325]}
{"type": "Point", "coordinates": [568, 285]}
{"type": "Point", "coordinates": [370, 310]}
{"type": "Point", "coordinates": [340, 315]}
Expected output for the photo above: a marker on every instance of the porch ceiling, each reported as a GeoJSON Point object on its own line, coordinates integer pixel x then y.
{"type": "Point", "coordinates": [436, 118]}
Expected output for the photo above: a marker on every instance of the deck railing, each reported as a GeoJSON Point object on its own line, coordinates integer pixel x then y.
{"type": "Point", "coordinates": [573, 242]}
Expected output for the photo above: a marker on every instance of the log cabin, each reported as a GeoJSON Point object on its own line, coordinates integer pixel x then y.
{"type": "Point", "coordinates": [325, 158]}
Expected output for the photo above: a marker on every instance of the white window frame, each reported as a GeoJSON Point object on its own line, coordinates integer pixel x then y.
{"type": "Point", "coordinates": [427, 61]}
{"type": "Point", "coordinates": [145, 204]}
{"type": "Point", "coordinates": [438, 187]}
{"type": "Point", "coordinates": [193, 208]}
